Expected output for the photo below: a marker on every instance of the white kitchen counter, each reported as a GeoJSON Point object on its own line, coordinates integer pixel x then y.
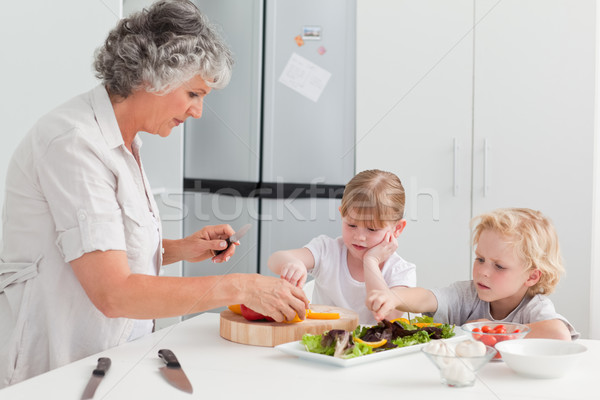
{"type": "Point", "coordinates": [219, 369]}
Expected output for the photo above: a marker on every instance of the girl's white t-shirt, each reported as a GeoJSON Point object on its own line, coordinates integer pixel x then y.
{"type": "Point", "coordinates": [335, 286]}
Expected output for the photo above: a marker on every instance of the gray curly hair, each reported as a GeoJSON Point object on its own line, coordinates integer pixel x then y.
{"type": "Point", "coordinates": [160, 48]}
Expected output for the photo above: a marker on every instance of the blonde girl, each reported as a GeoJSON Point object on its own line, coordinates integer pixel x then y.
{"type": "Point", "coordinates": [363, 259]}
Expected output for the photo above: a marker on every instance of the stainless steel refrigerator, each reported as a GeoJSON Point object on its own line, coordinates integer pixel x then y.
{"type": "Point", "coordinates": [276, 146]}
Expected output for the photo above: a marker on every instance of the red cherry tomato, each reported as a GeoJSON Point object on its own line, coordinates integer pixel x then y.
{"type": "Point", "coordinates": [476, 330]}
{"type": "Point", "coordinates": [486, 329]}
{"type": "Point", "coordinates": [516, 330]}
{"type": "Point", "coordinates": [488, 340]}
{"type": "Point", "coordinates": [499, 329]}
{"type": "Point", "coordinates": [498, 355]}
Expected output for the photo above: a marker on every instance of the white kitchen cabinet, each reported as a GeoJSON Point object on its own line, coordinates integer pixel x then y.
{"type": "Point", "coordinates": [534, 107]}
{"type": "Point", "coordinates": [491, 106]}
{"type": "Point", "coordinates": [414, 118]}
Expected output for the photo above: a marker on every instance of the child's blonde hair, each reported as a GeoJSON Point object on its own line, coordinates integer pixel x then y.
{"type": "Point", "coordinates": [534, 240]}
{"type": "Point", "coordinates": [374, 196]}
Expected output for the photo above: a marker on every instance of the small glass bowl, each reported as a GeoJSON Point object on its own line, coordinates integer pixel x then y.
{"type": "Point", "coordinates": [499, 332]}
{"type": "Point", "coordinates": [457, 371]}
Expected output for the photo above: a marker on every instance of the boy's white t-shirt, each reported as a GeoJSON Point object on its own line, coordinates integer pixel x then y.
{"type": "Point", "coordinates": [335, 286]}
{"type": "Point", "coordinates": [459, 303]}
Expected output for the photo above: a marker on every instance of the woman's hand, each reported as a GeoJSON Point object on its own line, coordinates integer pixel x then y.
{"type": "Point", "coordinates": [202, 244]}
{"type": "Point", "coordinates": [382, 251]}
{"type": "Point", "coordinates": [275, 297]}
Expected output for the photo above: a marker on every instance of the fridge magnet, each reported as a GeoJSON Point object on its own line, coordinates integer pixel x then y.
{"type": "Point", "coordinates": [299, 40]}
{"type": "Point", "coordinates": [304, 77]}
{"type": "Point", "coordinates": [311, 32]}
{"type": "Point", "coordinates": [321, 50]}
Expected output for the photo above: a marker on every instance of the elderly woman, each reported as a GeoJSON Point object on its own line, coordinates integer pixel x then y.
{"type": "Point", "coordinates": [82, 236]}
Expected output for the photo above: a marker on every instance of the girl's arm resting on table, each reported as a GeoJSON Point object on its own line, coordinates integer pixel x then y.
{"type": "Point", "coordinates": [549, 329]}
{"type": "Point", "coordinates": [292, 265]}
{"type": "Point", "coordinates": [116, 292]}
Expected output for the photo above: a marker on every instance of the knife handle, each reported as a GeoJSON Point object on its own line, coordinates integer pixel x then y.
{"type": "Point", "coordinates": [169, 358]}
{"type": "Point", "coordinates": [217, 252]}
{"type": "Point", "coordinates": [102, 367]}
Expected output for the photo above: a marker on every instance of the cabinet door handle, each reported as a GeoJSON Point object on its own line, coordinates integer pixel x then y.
{"type": "Point", "coordinates": [486, 151]}
{"type": "Point", "coordinates": [455, 161]}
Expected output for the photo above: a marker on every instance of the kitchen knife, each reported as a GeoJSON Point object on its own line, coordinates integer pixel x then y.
{"type": "Point", "coordinates": [173, 372]}
{"type": "Point", "coordinates": [235, 237]}
{"type": "Point", "coordinates": [97, 375]}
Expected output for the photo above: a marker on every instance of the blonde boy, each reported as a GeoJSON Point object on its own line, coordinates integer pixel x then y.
{"type": "Point", "coordinates": [517, 264]}
{"type": "Point", "coordinates": [363, 259]}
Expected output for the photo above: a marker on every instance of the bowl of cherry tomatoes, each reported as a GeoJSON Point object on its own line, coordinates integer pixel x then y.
{"type": "Point", "coordinates": [491, 333]}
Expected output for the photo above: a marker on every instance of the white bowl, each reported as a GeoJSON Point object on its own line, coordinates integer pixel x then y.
{"type": "Point", "coordinates": [540, 358]}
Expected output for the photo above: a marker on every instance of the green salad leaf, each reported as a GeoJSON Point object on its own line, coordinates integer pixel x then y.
{"type": "Point", "coordinates": [447, 331]}
{"type": "Point", "coordinates": [359, 349]}
{"type": "Point", "coordinates": [313, 344]}
{"type": "Point", "coordinates": [417, 338]}
{"type": "Point", "coordinates": [423, 319]}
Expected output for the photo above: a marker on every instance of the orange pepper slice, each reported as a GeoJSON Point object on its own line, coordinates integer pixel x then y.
{"type": "Point", "coordinates": [322, 315]}
{"type": "Point", "coordinates": [401, 320]}
{"type": "Point", "coordinates": [424, 324]}
{"type": "Point", "coordinates": [236, 308]}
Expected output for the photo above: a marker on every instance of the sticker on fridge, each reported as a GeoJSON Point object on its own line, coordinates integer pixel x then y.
{"type": "Point", "coordinates": [305, 77]}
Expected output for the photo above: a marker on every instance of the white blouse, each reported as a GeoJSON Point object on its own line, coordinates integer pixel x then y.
{"type": "Point", "coordinates": [72, 188]}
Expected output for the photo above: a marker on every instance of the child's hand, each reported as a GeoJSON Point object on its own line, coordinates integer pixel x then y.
{"type": "Point", "coordinates": [381, 302]}
{"type": "Point", "coordinates": [295, 273]}
{"type": "Point", "coordinates": [382, 251]}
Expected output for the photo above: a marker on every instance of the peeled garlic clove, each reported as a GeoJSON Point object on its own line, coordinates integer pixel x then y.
{"type": "Point", "coordinates": [456, 372]}
{"type": "Point", "coordinates": [439, 348]}
{"type": "Point", "coordinates": [470, 348]}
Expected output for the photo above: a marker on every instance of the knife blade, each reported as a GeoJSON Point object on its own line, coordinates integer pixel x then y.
{"type": "Point", "coordinates": [235, 237]}
{"type": "Point", "coordinates": [96, 378]}
{"type": "Point", "coordinates": [172, 371]}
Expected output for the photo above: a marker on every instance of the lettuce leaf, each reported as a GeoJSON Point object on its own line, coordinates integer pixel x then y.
{"type": "Point", "coordinates": [419, 337]}
{"type": "Point", "coordinates": [423, 319]}
{"type": "Point", "coordinates": [313, 344]}
{"type": "Point", "coordinates": [359, 349]}
{"type": "Point", "coordinates": [447, 331]}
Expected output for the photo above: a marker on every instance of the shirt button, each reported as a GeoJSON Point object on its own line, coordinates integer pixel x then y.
{"type": "Point", "coordinates": [81, 215]}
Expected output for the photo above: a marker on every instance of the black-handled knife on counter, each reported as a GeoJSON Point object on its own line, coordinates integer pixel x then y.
{"type": "Point", "coordinates": [172, 371]}
{"type": "Point", "coordinates": [97, 375]}
{"type": "Point", "coordinates": [235, 237]}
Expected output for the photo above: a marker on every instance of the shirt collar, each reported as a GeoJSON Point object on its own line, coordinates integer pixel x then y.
{"type": "Point", "coordinates": [105, 115]}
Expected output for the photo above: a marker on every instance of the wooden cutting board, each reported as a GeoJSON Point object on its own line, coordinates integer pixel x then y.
{"type": "Point", "coordinates": [238, 329]}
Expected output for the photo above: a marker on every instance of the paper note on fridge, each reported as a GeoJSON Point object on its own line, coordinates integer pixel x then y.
{"type": "Point", "coordinates": [305, 77]}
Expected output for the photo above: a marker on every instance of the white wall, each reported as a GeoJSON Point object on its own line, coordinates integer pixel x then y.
{"type": "Point", "coordinates": [46, 58]}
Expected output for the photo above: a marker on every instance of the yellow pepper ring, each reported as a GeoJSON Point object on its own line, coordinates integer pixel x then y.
{"type": "Point", "coordinates": [371, 344]}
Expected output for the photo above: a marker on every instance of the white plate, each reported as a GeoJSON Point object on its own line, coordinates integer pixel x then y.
{"type": "Point", "coordinates": [297, 349]}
